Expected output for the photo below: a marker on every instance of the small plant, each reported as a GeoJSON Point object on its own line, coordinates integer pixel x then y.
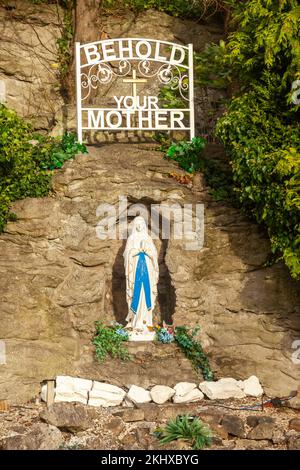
{"type": "Point", "coordinates": [51, 153]}
{"type": "Point", "coordinates": [109, 341]}
{"type": "Point", "coordinates": [26, 158]}
{"type": "Point", "coordinates": [188, 428]}
{"type": "Point", "coordinates": [187, 154]}
{"type": "Point", "coordinates": [170, 98]}
{"type": "Point", "coordinates": [188, 344]}
{"type": "Point", "coordinates": [193, 350]}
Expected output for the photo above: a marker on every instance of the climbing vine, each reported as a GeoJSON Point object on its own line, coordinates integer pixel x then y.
{"type": "Point", "coordinates": [65, 42]}
{"type": "Point", "coordinates": [193, 350]}
{"type": "Point", "coordinates": [190, 346]}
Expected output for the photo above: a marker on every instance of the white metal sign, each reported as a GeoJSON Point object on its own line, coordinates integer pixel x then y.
{"type": "Point", "coordinates": [135, 61]}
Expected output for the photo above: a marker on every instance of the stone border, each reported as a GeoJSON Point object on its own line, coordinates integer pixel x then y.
{"type": "Point", "coordinates": [94, 393]}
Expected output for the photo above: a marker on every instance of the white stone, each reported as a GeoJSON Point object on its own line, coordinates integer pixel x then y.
{"type": "Point", "coordinates": [182, 388]}
{"type": "Point", "coordinates": [44, 392]}
{"type": "Point", "coordinates": [238, 383]}
{"type": "Point", "coordinates": [141, 336]}
{"type": "Point", "coordinates": [229, 380]}
{"type": "Point", "coordinates": [252, 387]}
{"type": "Point", "coordinates": [138, 395]}
{"type": "Point", "coordinates": [103, 394]}
{"type": "Point", "coordinates": [192, 396]}
{"type": "Point", "coordinates": [72, 389]}
{"type": "Point", "coordinates": [103, 386]}
{"type": "Point", "coordinates": [79, 397]}
{"type": "Point", "coordinates": [161, 393]}
{"type": "Point", "coordinates": [241, 384]}
{"type": "Point", "coordinates": [66, 383]}
{"type": "Point", "coordinates": [221, 390]}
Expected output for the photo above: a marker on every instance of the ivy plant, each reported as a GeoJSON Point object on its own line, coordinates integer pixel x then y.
{"type": "Point", "coordinates": [187, 154]}
{"type": "Point", "coordinates": [191, 347]}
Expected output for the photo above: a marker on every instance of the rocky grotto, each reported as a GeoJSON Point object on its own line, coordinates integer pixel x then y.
{"type": "Point", "coordinates": [57, 277]}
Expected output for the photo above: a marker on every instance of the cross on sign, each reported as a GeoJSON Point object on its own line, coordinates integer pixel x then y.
{"type": "Point", "coordinates": [134, 82]}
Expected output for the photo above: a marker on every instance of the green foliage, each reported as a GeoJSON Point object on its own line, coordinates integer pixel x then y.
{"type": "Point", "coordinates": [218, 175]}
{"type": "Point", "coordinates": [109, 342]}
{"type": "Point", "coordinates": [267, 38]}
{"type": "Point", "coordinates": [189, 429]}
{"type": "Point", "coordinates": [19, 175]}
{"type": "Point", "coordinates": [170, 98]}
{"type": "Point", "coordinates": [182, 8]}
{"type": "Point", "coordinates": [193, 9]}
{"type": "Point", "coordinates": [261, 130]}
{"type": "Point", "coordinates": [186, 154]}
{"type": "Point", "coordinates": [193, 350]}
{"type": "Point", "coordinates": [211, 68]}
{"type": "Point", "coordinates": [65, 42]}
{"type": "Point", "coordinates": [50, 153]}
{"type": "Point", "coordinates": [265, 154]}
{"type": "Point", "coordinates": [25, 160]}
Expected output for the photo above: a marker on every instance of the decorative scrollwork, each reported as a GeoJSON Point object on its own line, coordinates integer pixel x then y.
{"type": "Point", "coordinates": [167, 74]}
{"type": "Point", "coordinates": [103, 74]}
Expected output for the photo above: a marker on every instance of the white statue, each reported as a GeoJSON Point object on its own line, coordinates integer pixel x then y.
{"type": "Point", "coordinates": [141, 269]}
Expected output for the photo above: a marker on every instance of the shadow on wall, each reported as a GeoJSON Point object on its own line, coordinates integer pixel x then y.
{"type": "Point", "coordinates": [166, 298]}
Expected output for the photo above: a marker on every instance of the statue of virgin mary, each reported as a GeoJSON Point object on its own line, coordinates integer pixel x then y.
{"type": "Point", "coordinates": [141, 269]}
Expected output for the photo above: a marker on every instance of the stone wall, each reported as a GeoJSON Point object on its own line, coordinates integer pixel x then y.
{"type": "Point", "coordinates": [29, 79]}
{"type": "Point", "coordinates": [57, 278]}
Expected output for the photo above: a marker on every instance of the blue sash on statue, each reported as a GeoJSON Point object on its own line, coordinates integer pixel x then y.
{"type": "Point", "coordinates": [141, 280]}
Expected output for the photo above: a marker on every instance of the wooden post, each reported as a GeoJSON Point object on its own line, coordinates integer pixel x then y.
{"type": "Point", "coordinates": [50, 392]}
{"type": "Point", "coordinates": [4, 405]}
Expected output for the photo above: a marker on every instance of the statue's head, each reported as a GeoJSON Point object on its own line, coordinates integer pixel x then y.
{"type": "Point", "coordinates": [139, 224]}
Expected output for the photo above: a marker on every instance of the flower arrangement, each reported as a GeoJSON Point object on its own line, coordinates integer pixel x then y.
{"type": "Point", "coordinates": [164, 334]}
